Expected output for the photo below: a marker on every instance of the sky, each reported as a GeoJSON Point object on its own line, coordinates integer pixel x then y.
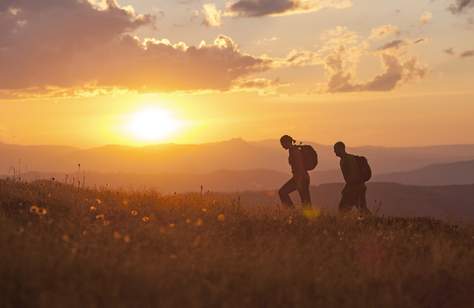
{"type": "Point", "coordinates": [136, 72]}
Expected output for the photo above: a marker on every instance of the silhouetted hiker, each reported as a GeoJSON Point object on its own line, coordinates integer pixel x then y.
{"type": "Point", "coordinates": [356, 171]}
{"type": "Point", "coordinates": [302, 158]}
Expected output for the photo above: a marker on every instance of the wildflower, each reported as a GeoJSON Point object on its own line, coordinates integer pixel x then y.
{"type": "Point", "coordinates": [117, 235]}
{"type": "Point", "coordinates": [311, 213]}
{"type": "Point", "coordinates": [127, 239]}
{"type": "Point", "coordinates": [98, 201]}
{"type": "Point", "coordinates": [42, 211]}
{"type": "Point", "coordinates": [100, 217]}
{"type": "Point", "coordinates": [134, 213]}
{"type": "Point", "coordinates": [221, 217]}
{"type": "Point", "coordinates": [146, 219]}
{"type": "Point", "coordinates": [204, 210]}
{"type": "Point", "coordinates": [93, 209]}
{"type": "Point", "coordinates": [199, 222]}
{"type": "Point", "coordinates": [34, 209]}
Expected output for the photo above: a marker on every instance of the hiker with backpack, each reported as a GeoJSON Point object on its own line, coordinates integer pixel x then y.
{"type": "Point", "coordinates": [302, 158]}
{"type": "Point", "coordinates": [356, 172]}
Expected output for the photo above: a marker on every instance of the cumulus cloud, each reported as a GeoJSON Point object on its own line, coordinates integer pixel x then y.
{"type": "Point", "coordinates": [212, 17]}
{"type": "Point", "coordinates": [426, 17]}
{"type": "Point", "coordinates": [64, 44]}
{"type": "Point", "coordinates": [342, 55]}
{"type": "Point", "coordinates": [258, 8]}
{"type": "Point", "coordinates": [461, 5]}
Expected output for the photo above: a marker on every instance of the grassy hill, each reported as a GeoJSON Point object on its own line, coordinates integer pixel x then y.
{"type": "Point", "coordinates": [64, 247]}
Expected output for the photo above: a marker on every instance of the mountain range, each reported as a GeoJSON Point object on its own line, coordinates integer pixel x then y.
{"type": "Point", "coordinates": [234, 165]}
{"type": "Point", "coordinates": [235, 154]}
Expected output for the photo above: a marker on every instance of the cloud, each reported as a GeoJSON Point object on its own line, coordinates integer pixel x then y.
{"type": "Point", "coordinates": [396, 44]}
{"type": "Point", "coordinates": [212, 17]}
{"type": "Point", "coordinates": [262, 86]}
{"type": "Point", "coordinates": [460, 6]}
{"type": "Point", "coordinates": [467, 54]}
{"type": "Point", "coordinates": [299, 58]}
{"type": "Point", "coordinates": [258, 8]}
{"type": "Point", "coordinates": [449, 51]}
{"type": "Point", "coordinates": [342, 55]}
{"type": "Point", "coordinates": [64, 44]}
{"type": "Point", "coordinates": [384, 31]}
{"type": "Point", "coordinates": [426, 17]}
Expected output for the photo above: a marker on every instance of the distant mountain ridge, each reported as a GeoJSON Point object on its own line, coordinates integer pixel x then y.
{"type": "Point", "coordinates": [235, 154]}
{"type": "Point", "coordinates": [456, 173]}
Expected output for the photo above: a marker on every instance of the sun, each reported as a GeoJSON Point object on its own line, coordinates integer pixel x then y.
{"type": "Point", "coordinates": [152, 124]}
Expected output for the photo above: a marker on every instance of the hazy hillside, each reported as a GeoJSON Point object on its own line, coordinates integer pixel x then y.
{"type": "Point", "coordinates": [220, 181]}
{"type": "Point", "coordinates": [457, 173]}
{"type": "Point", "coordinates": [442, 202]}
{"type": "Point", "coordinates": [234, 154]}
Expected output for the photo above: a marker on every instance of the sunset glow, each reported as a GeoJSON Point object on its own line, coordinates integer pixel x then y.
{"type": "Point", "coordinates": [389, 73]}
{"type": "Point", "coordinates": [152, 124]}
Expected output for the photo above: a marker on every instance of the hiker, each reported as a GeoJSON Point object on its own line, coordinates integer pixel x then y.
{"type": "Point", "coordinates": [356, 171]}
{"type": "Point", "coordinates": [302, 158]}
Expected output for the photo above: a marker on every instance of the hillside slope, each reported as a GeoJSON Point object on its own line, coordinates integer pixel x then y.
{"type": "Point", "coordinates": [456, 173]}
{"type": "Point", "coordinates": [450, 203]}
{"type": "Point", "coordinates": [65, 247]}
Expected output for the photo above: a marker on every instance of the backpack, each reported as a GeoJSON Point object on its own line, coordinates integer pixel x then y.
{"type": "Point", "coordinates": [365, 173]}
{"type": "Point", "coordinates": [310, 157]}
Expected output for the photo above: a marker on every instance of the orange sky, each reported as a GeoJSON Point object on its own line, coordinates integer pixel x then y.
{"type": "Point", "coordinates": [382, 73]}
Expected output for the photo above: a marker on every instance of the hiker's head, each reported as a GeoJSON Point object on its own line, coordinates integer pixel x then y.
{"type": "Point", "coordinates": [340, 149]}
{"type": "Point", "coordinates": [286, 142]}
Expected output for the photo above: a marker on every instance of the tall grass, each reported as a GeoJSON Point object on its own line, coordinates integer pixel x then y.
{"type": "Point", "coordinates": [64, 247]}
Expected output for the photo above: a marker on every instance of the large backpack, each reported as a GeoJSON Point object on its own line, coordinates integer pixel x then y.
{"type": "Point", "coordinates": [310, 157]}
{"type": "Point", "coordinates": [365, 173]}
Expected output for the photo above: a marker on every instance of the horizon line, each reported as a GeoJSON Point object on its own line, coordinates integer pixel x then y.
{"type": "Point", "coordinates": [228, 141]}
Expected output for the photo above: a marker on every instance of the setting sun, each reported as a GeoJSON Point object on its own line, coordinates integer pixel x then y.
{"type": "Point", "coordinates": [152, 124]}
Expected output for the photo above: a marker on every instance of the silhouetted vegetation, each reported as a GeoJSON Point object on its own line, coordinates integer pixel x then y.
{"type": "Point", "coordinates": [65, 247]}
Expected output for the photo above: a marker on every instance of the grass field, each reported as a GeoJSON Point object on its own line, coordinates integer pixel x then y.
{"type": "Point", "coordinates": [65, 247]}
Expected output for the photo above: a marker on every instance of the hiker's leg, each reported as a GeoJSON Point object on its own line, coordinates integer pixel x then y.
{"type": "Point", "coordinates": [285, 191]}
{"type": "Point", "coordinates": [304, 191]}
{"type": "Point", "coordinates": [346, 203]}
{"type": "Point", "coordinates": [363, 201]}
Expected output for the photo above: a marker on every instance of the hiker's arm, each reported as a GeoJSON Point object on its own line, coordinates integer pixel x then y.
{"type": "Point", "coordinates": [299, 162]}
{"type": "Point", "coordinates": [346, 170]}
